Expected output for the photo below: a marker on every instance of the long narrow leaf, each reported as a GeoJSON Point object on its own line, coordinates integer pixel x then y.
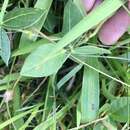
{"type": "Point", "coordinates": [90, 93]}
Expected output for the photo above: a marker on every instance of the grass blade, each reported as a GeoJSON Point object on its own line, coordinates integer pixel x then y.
{"type": "Point", "coordinates": [90, 93]}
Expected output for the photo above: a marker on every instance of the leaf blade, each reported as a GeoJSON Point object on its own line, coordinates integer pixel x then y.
{"type": "Point", "coordinates": [38, 64]}
{"type": "Point", "coordinates": [90, 93]}
{"type": "Point", "coordinates": [5, 51]}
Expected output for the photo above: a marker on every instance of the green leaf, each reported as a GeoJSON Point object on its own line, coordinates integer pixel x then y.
{"type": "Point", "coordinates": [15, 118]}
{"type": "Point", "coordinates": [17, 106]}
{"type": "Point", "coordinates": [90, 93]}
{"type": "Point", "coordinates": [22, 18]}
{"type": "Point", "coordinates": [38, 64]}
{"type": "Point", "coordinates": [29, 47]}
{"type": "Point", "coordinates": [68, 76]}
{"type": "Point", "coordinates": [4, 46]}
{"type": "Point", "coordinates": [43, 5]}
{"type": "Point", "coordinates": [58, 115]}
{"type": "Point", "coordinates": [119, 109]}
{"type": "Point", "coordinates": [11, 77]}
{"type": "Point", "coordinates": [29, 120]}
{"type": "Point", "coordinates": [48, 100]}
{"type": "Point", "coordinates": [31, 67]}
{"type": "Point", "coordinates": [51, 22]}
{"type": "Point", "coordinates": [90, 21]}
{"type": "Point", "coordinates": [79, 4]}
{"type": "Point", "coordinates": [90, 50]}
{"type": "Point", "coordinates": [70, 19]}
{"type": "Point", "coordinates": [78, 114]}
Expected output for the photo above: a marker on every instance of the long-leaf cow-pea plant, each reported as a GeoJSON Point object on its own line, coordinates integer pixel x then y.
{"type": "Point", "coordinates": [64, 65]}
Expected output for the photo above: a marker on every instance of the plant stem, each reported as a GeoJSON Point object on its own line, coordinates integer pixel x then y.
{"type": "Point", "coordinates": [3, 10]}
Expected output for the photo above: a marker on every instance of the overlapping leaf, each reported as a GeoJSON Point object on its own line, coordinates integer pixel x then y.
{"type": "Point", "coordinates": [40, 63]}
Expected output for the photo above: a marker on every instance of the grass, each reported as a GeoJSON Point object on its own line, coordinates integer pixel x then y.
{"type": "Point", "coordinates": [55, 74]}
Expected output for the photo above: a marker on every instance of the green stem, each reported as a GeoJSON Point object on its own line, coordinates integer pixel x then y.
{"type": "Point", "coordinates": [9, 114]}
{"type": "Point", "coordinates": [3, 10]}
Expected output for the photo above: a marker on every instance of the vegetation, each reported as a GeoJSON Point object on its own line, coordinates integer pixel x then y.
{"type": "Point", "coordinates": [56, 73]}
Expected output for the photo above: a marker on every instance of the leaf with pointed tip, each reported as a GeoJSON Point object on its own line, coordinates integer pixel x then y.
{"type": "Point", "coordinates": [90, 50]}
{"type": "Point", "coordinates": [5, 46]}
{"type": "Point", "coordinates": [70, 19]}
{"type": "Point", "coordinates": [40, 63]}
